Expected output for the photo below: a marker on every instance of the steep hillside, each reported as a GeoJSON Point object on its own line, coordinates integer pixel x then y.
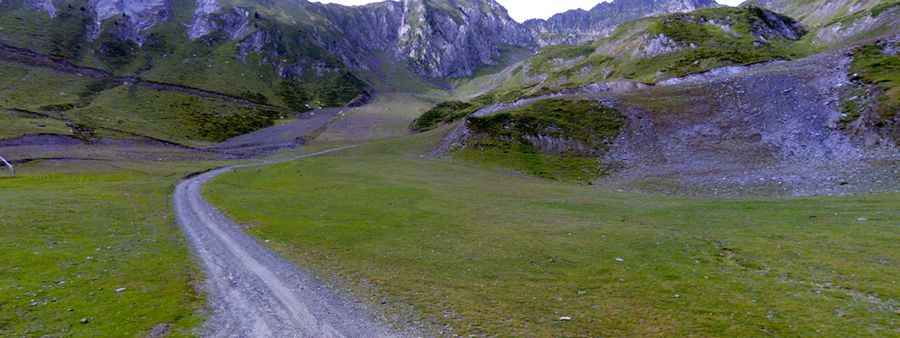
{"type": "Point", "coordinates": [771, 128]}
{"type": "Point", "coordinates": [871, 108]}
{"type": "Point", "coordinates": [837, 23]}
{"type": "Point", "coordinates": [579, 26]}
{"type": "Point", "coordinates": [817, 12]}
{"type": "Point", "coordinates": [656, 49]}
{"type": "Point", "coordinates": [720, 101]}
{"type": "Point", "coordinates": [437, 38]}
{"type": "Point", "coordinates": [284, 55]}
{"type": "Point", "coordinates": [241, 51]}
{"type": "Point", "coordinates": [91, 104]}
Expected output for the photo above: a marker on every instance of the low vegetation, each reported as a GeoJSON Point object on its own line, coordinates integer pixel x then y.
{"type": "Point", "coordinates": [493, 253]}
{"type": "Point", "coordinates": [546, 57]}
{"type": "Point", "coordinates": [31, 88]}
{"type": "Point", "coordinates": [444, 112]}
{"type": "Point", "coordinates": [451, 111]}
{"type": "Point", "coordinates": [14, 124]}
{"type": "Point", "coordinates": [583, 121]}
{"type": "Point", "coordinates": [171, 116]}
{"type": "Point", "coordinates": [875, 67]}
{"type": "Point", "coordinates": [334, 91]}
{"type": "Point", "coordinates": [91, 249]}
{"type": "Point", "coordinates": [721, 37]}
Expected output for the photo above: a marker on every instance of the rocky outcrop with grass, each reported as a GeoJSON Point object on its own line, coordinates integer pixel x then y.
{"type": "Point", "coordinates": [870, 108]}
{"type": "Point", "coordinates": [580, 26]}
{"type": "Point", "coordinates": [773, 128]}
{"type": "Point", "coordinates": [838, 22]}
{"type": "Point", "coordinates": [661, 48]}
{"type": "Point", "coordinates": [817, 13]}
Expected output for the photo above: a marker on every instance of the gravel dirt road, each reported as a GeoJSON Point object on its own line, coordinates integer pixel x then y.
{"type": "Point", "coordinates": [252, 291]}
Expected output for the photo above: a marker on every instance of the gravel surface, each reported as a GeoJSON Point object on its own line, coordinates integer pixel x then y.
{"type": "Point", "coordinates": [254, 292]}
{"type": "Point", "coordinates": [285, 136]}
{"type": "Point", "coordinates": [761, 130]}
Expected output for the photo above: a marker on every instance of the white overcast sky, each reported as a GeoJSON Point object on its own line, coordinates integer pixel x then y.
{"type": "Point", "coordinates": [522, 10]}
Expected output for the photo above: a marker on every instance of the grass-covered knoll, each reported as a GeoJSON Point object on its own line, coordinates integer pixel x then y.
{"type": "Point", "coordinates": [583, 121]}
{"type": "Point", "coordinates": [556, 138]}
{"type": "Point", "coordinates": [559, 139]}
{"type": "Point", "coordinates": [876, 67]}
{"type": "Point", "coordinates": [73, 233]}
{"type": "Point", "coordinates": [444, 112]}
{"type": "Point", "coordinates": [451, 111]}
{"type": "Point", "coordinates": [491, 253]}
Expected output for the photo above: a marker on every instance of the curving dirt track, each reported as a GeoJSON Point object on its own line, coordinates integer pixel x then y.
{"type": "Point", "coordinates": [251, 290]}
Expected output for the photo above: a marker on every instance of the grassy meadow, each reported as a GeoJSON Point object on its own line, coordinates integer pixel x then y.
{"type": "Point", "coordinates": [92, 250]}
{"type": "Point", "coordinates": [491, 252]}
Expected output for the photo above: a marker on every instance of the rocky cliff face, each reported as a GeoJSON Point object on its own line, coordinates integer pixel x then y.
{"type": "Point", "coordinates": [137, 16]}
{"type": "Point", "coordinates": [578, 26]}
{"type": "Point", "coordinates": [454, 37]}
{"type": "Point", "coordinates": [437, 38]}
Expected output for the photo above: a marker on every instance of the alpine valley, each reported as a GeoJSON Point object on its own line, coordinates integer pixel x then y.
{"type": "Point", "coordinates": [431, 168]}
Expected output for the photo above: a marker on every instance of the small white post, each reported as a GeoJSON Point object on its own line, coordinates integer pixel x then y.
{"type": "Point", "coordinates": [12, 169]}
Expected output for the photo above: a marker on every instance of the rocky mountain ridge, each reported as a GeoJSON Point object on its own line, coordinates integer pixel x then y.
{"type": "Point", "coordinates": [435, 38]}
{"type": "Point", "coordinates": [579, 26]}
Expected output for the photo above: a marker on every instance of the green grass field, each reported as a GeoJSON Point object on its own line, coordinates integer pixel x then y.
{"type": "Point", "coordinates": [72, 234]}
{"type": "Point", "coordinates": [491, 252]}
